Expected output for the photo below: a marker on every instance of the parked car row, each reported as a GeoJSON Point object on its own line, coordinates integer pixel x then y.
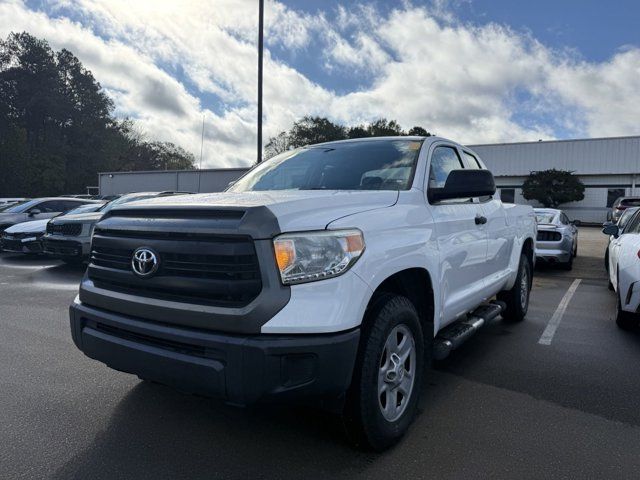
{"type": "Point", "coordinates": [557, 243]}
{"type": "Point", "coordinates": [622, 261]}
{"type": "Point", "coordinates": [49, 226]}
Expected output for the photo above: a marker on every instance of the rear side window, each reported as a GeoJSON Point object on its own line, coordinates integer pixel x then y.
{"type": "Point", "coordinates": [634, 223]}
{"type": "Point", "coordinates": [443, 161]}
{"type": "Point", "coordinates": [471, 161]}
{"type": "Point", "coordinates": [51, 206]}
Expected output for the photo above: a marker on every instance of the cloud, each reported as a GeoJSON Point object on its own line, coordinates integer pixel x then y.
{"type": "Point", "coordinates": [167, 64]}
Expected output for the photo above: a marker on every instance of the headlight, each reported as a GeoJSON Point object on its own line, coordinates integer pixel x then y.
{"type": "Point", "coordinates": [87, 229]}
{"type": "Point", "coordinates": [309, 256]}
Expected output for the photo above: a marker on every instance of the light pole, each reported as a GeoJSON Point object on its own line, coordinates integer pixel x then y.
{"type": "Point", "coordinates": [260, 47]}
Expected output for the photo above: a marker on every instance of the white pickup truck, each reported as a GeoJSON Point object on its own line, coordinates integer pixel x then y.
{"type": "Point", "coordinates": [331, 273]}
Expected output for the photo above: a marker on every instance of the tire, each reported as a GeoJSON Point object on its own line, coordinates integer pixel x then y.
{"type": "Point", "coordinates": [369, 418]}
{"type": "Point", "coordinates": [626, 320]}
{"type": "Point", "coordinates": [606, 260]}
{"type": "Point", "coordinates": [568, 265]}
{"type": "Point", "coordinates": [575, 250]}
{"type": "Point", "coordinates": [517, 301]}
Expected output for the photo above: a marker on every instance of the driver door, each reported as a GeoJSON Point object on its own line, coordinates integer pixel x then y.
{"type": "Point", "coordinates": [461, 238]}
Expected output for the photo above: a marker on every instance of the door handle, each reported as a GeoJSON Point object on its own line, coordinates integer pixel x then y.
{"type": "Point", "coordinates": [480, 220]}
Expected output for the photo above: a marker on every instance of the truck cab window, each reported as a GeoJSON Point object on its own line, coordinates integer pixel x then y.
{"type": "Point", "coordinates": [443, 161]}
{"type": "Point", "coordinates": [470, 161]}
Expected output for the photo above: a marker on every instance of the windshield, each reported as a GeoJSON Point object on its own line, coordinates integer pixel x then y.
{"type": "Point", "coordinates": [365, 165]}
{"type": "Point", "coordinates": [90, 207]}
{"type": "Point", "coordinates": [21, 207]}
{"type": "Point", "coordinates": [544, 217]}
{"type": "Point", "coordinates": [126, 199]}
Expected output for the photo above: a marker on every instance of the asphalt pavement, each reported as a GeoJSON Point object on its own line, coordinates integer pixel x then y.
{"type": "Point", "coordinates": [502, 406]}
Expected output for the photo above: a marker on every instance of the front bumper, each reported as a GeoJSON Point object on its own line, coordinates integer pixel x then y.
{"type": "Point", "coordinates": [63, 248]}
{"type": "Point", "coordinates": [26, 245]}
{"type": "Point", "coordinates": [241, 369]}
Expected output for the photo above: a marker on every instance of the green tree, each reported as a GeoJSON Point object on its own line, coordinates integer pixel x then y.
{"type": "Point", "coordinates": [277, 145]}
{"type": "Point", "coordinates": [156, 156]}
{"type": "Point", "coordinates": [310, 130]}
{"type": "Point", "coordinates": [418, 132]}
{"type": "Point", "coordinates": [57, 128]}
{"type": "Point", "coordinates": [553, 187]}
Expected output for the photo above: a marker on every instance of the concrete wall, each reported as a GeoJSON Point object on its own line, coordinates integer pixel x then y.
{"type": "Point", "coordinates": [215, 180]}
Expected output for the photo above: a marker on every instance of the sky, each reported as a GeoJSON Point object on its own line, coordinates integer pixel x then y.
{"type": "Point", "coordinates": [475, 71]}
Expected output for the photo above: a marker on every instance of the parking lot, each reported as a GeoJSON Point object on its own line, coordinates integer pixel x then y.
{"type": "Point", "coordinates": [517, 401]}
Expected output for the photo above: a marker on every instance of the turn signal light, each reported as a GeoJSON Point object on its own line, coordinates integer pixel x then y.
{"type": "Point", "coordinates": [285, 254]}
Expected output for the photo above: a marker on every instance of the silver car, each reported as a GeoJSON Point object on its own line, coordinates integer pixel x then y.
{"type": "Point", "coordinates": [557, 241]}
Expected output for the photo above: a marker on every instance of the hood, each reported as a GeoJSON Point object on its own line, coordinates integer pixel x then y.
{"type": "Point", "coordinates": [89, 217]}
{"type": "Point", "coordinates": [548, 226]}
{"type": "Point", "coordinates": [295, 210]}
{"type": "Point", "coordinates": [35, 226]}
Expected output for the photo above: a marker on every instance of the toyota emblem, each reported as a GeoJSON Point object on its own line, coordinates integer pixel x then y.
{"type": "Point", "coordinates": [144, 262]}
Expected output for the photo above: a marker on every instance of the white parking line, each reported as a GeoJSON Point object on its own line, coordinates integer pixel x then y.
{"type": "Point", "coordinates": [552, 326]}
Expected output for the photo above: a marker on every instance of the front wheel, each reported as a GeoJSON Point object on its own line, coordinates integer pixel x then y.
{"type": "Point", "coordinates": [383, 398]}
{"type": "Point", "coordinates": [517, 299]}
{"type": "Point", "coordinates": [625, 320]}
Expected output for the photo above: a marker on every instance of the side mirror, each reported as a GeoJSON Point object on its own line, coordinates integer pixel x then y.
{"type": "Point", "coordinates": [465, 184]}
{"type": "Point", "coordinates": [34, 212]}
{"type": "Point", "coordinates": [611, 229]}
{"type": "Point", "coordinates": [576, 222]}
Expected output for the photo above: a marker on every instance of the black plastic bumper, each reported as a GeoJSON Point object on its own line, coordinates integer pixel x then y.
{"type": "Point", "coordinates": [63, 248]}
{"type": "Point", "coordinates": [239, 369]}
{"type": "Point", "coordinates": [18, 246]}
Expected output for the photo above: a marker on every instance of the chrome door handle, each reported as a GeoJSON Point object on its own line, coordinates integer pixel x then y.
{"type": "Point", "coordinates": [480, 220]}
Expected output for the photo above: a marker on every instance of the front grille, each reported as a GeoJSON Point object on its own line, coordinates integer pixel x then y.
{"type": "Point", "coordinates": [12, 245]}
{"type": "Point", "coordinates": [546, 236]}
{"type": "Point", "coordinates": [65, 229]}
{"type": "Point", "coordinates": [206, 269]}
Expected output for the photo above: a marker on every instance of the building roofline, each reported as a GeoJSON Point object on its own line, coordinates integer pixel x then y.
{"type": "Point", "coordinates": [235, 169]}
{"type": "Point", "coordinates": [554, 141]}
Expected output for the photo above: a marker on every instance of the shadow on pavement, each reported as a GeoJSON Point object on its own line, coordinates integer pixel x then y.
{"type": "Point", "coordinates": [156, 432]}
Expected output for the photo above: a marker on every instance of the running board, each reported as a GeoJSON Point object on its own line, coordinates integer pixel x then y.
{"type": "Point", "coordinates": [454, 335]}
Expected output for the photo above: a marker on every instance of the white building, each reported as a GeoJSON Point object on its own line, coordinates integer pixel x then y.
{"type": "Point", "coordinates": [608, 167]}
{"type": "Point", "coordinates": [205, 180]}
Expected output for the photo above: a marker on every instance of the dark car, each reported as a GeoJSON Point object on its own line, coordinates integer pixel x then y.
{"type": "Point", "coordinates": [38, 209]}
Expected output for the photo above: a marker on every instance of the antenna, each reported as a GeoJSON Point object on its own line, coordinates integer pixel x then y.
{"type": "Point", "coordinates": [201, 142]}
{"type": "Point", "coordinates": [201, 149]}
